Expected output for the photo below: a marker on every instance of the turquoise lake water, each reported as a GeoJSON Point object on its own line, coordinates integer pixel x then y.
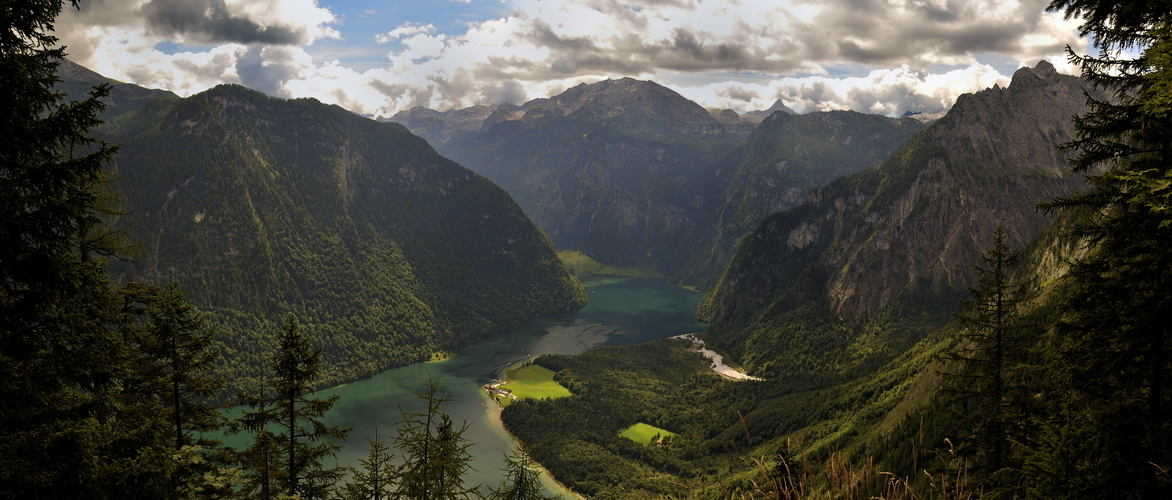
{"type": "Point", "coordinates": [620, 311]}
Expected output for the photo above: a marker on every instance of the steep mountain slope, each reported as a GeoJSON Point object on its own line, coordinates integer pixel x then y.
{"type": "Point", "coordinates": [124, 98]}
{"type": "Point", "coordinates": [784, 158]}
{"type": "Point", "coordinates": [634, 174]}
{"type": "Point", "coordinates": [843, 305]}
{"type": "Point", "coordinates": [905, 234]}
{"type": "Point", "coordinates": [259, 207]}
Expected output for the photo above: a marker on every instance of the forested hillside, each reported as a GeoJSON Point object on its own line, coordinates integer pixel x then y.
{"type": "Point", "coordinates": [259, 207]}
{"type": "Point", "coordinates": [845, 306]}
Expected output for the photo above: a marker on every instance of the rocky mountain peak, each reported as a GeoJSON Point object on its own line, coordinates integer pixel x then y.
{"type": "Point", "coordinates": [611, 98]}
{"type": "Point", "coordinates": [765, 113]}
{"type": "Point", "coordinates": [439, 127]}
{"type": "Point", "coordinates": [629, 105]}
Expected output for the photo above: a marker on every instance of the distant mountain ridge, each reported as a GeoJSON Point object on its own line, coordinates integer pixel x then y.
{"type": "Point", "coordinates": [259, 207]}
{"type": "Point", "coordinates": [633, 106]}
{"type": "Point", "coordinates": [632, 173]}
{"type": "Point", "coordinates": [124, 98]}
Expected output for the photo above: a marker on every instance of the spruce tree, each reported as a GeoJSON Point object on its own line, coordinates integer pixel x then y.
{"type": "Point", "coordinates": [290, 406]}
{"type": "Point", "coordinates": [1113, 348]}
{"type": "Point", "coordinates": [987, 351]}
{"type": "Point", "coordinates": [65, 428]}
{"type": "Point", "coordinates": [183, 350]}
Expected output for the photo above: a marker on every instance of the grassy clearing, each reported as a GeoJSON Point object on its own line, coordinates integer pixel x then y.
{"type": "Point", "coordinates": [441, 356]}
{"type": "Point", "coordinates": [643, 433]}
{"type": "Point", "coordinates": [581, 264]}
{"type": "Point", "coordinates": [536, 382]}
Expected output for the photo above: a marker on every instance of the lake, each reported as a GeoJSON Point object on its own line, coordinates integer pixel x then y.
{"type": "Point", "coordinates": [621, 311]}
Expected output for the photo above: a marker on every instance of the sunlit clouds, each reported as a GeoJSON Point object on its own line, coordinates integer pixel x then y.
{"type": "Point", "coordinates": [875, 56]}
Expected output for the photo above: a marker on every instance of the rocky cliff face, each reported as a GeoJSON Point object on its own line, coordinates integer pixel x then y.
{"type": "Point", "coordinates": [915, 226]}
{"type": "Point", "coordinates": [783, 159]}
{"type": "Point", "coordinates": [990, 161]}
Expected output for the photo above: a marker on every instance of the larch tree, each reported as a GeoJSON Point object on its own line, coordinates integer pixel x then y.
{"type": "Point", "coordinates": [377, 476]}
{"type": "Point", "coordinates": [522, 478]}
{"type": "Point", "coordinates": [435, 452]}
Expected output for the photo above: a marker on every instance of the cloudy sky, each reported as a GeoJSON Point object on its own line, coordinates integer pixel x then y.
{"type": "Point", "coordinates": [377, 57]}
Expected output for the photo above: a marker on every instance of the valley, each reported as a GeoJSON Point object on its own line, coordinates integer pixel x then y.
{"type": "Point", "coordinates": [602, 290]}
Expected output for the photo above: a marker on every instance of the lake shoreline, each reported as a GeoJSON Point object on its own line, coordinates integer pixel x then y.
{"type": "Point", "coordinates": [494, 411]}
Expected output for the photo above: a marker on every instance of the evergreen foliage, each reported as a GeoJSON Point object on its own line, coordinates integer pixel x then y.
{"type": "Point", "coordinates": [68, 429]}
{"type": "Point", "coordinates": [988, 352]}
{"type": "Point", "coordinates": [289, 406]}
{"type": "Point", "coordinates": [184, 351]}
{"type": "Point", "coordinates": [260, 207]}
{"type": "Point", "coordinates": [1113, 348]}
{"type": "Point", "coordinates": [435, 452]}
{"type": "Point", "coordinates": [522, 478]}
{"type": "Point", "coordinates": [376, 479]}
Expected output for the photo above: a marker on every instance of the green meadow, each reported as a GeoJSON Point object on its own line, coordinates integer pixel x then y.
{"type": "Point", "coordinates": [643, 433]}
{"type": "Point", "coordinates": [581, 264]}
{"type": "Point", "coordinates": [534, 381]}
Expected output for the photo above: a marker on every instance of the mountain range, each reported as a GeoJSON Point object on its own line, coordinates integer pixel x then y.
{"type": "Point", "coordinates": [843, 303]}
{"type": "Point", "coordinates": [634, 174]}
{"type": "Point", "coordinates": [835, 246]}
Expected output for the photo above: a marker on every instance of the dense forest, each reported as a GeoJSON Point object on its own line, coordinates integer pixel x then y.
{"type": "Point", "coordinates": [1036, 370]}
{"type": "Point", "coordinates": [209, 258]}
{"type": "Point", "coordinates": [1040, 369]}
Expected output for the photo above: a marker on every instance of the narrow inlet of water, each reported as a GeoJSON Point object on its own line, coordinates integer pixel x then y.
{"type": "Point", "coordinates": [620, 311]}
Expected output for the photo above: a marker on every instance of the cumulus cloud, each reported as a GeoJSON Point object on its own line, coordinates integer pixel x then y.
{"type": "Point", "coordinates": [541, 48]}
{"type": "Point", "coordinates": [545, 45]}
{"type": "Point", "coordinates": [208, 21]}
{"type": "Point", "coordinates": [890, 92]}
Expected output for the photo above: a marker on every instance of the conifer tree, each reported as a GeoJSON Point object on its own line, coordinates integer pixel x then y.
{"type": "Point", "coordinates": [522, 478]}
{"type": "Point", "coordinates": [65, 430]}
{"type": "Point", "coordinates": [184, 352]}
{"type": "Point", "coordinates": [1113, 345]}
{"type": "Point", "coordinates": [291, 407]}
{"type": "Point", "coordinates": [435, 452]}
{"type": "Point", "coordinates": [375, 480]}
{"type": "Point", "coordinates": [986, 353]}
